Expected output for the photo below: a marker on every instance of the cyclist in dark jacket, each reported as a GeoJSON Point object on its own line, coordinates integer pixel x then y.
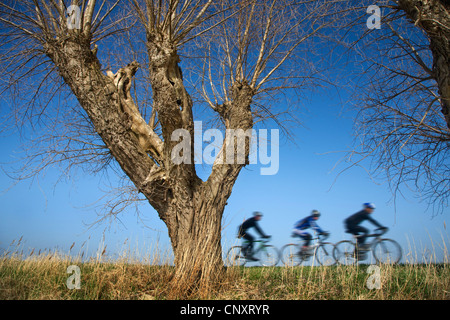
{"type": "Point", "coordinates": [353, 222]}
{"type": "Point", "coordinates": [243, 233]}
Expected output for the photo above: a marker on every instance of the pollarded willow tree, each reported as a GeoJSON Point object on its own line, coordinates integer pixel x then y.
{"type": "Point", "coordinates": [237, 53]}
{"type": "Point", "coordinates": [403, 95]}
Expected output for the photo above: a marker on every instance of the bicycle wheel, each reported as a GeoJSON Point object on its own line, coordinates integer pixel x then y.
{"type": "Point", "coordinates": [290, 255]}
{"type": "Point", "coordinates": [344, 252]}
{"type": "Point", "coordinates": [268, 256]}
{"type": "Point", "coordinates": [387, 251]}
{"type": "Point", "coordinates": [324, 254]}
{"type": "Point", "coordinates": [235, 257]}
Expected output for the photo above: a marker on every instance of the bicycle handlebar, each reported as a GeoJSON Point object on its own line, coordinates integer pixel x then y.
{"type": "Point", "coordinates": [378, 234]}
{"type": "Point", "coordinates": [382, 230]}
{"type": "Point", "coordinates": [323, 236]}
{"type": "Point", "coordinates": [267, 239]}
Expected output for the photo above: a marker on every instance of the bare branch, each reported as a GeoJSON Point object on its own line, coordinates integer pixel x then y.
{"type": "Point", "coordinates": [87, 17]}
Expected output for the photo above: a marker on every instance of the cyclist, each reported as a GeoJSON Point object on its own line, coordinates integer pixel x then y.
{"type": "Point", "coordinates": [243, 233]}
{"type": "Point", "coordinates": [353, 222]}
{"type": "Point", "coordinates": [305, 223]}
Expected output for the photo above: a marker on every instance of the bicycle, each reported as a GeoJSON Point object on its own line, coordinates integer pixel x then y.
{"type": "Point", "coordinates": [293, 255]}
{"type": "Point", "coordinates": [384, 250]}
{"type": "Point", "coordinates": [267, 254]}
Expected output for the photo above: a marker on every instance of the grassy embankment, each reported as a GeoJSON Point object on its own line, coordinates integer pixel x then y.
{"type": "Point", "coordinates": [44, 276]}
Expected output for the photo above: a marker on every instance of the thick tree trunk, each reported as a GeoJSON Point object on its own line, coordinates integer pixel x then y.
{"type": "Point", "coordinates": [196, 242]}
{"type": "Point", "coordinates": [195, 227]}
{"type": "Point", "coordinates": [433, 16]}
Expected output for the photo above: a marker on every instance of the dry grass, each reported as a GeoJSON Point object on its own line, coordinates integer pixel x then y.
{"type": "Point", "coordinates": [44, 276]}
{"type": "Point", "coordinates": [401, 282]}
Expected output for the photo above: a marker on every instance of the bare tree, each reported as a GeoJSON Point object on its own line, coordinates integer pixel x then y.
{"type": "Point", "coordinates": [243, 54]}
{"type": "Point", "coordinates": [403, 96]}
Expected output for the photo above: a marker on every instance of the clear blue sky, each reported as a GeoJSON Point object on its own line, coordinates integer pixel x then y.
{"type": "Point", "coordinates": [54, 218]}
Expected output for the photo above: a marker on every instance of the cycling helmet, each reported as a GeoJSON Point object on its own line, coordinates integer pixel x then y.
{"type": "Point", "coordinates": [315, 213]}
{"type": "Point", "coordinates": [369, 205]}
{"type": "Point", "coordinates": [257, 214]}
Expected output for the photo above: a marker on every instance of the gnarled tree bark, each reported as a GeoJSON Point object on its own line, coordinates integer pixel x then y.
{"type": "Point", "coordinates": [433, 16]}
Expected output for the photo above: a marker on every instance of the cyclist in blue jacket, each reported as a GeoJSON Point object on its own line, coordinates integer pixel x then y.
{"type": "Point", "coordinates": [306, 223]}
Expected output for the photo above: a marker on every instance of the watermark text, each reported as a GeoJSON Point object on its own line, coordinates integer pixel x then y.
{"type": "Point", "coordinates": [73, 281]}
{"type": "Point", "coordinates": [241, 147]}
{"type": "Point", "coordinates": [374, 21]}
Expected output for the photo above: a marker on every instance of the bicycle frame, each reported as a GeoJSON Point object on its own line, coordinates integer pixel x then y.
{"type": "Point", "coordinates": [268, 253]}
{"type": "Point", "coordinates": [320, 251]}
{"type": "Point", "coordinates": [318, 241]}
{"type": "Point", "coordinates": [376, 238]}
{"type": "Point", "coordinates": [261, 246]}
{"type": "Point", "coordinates": [384, 250]}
